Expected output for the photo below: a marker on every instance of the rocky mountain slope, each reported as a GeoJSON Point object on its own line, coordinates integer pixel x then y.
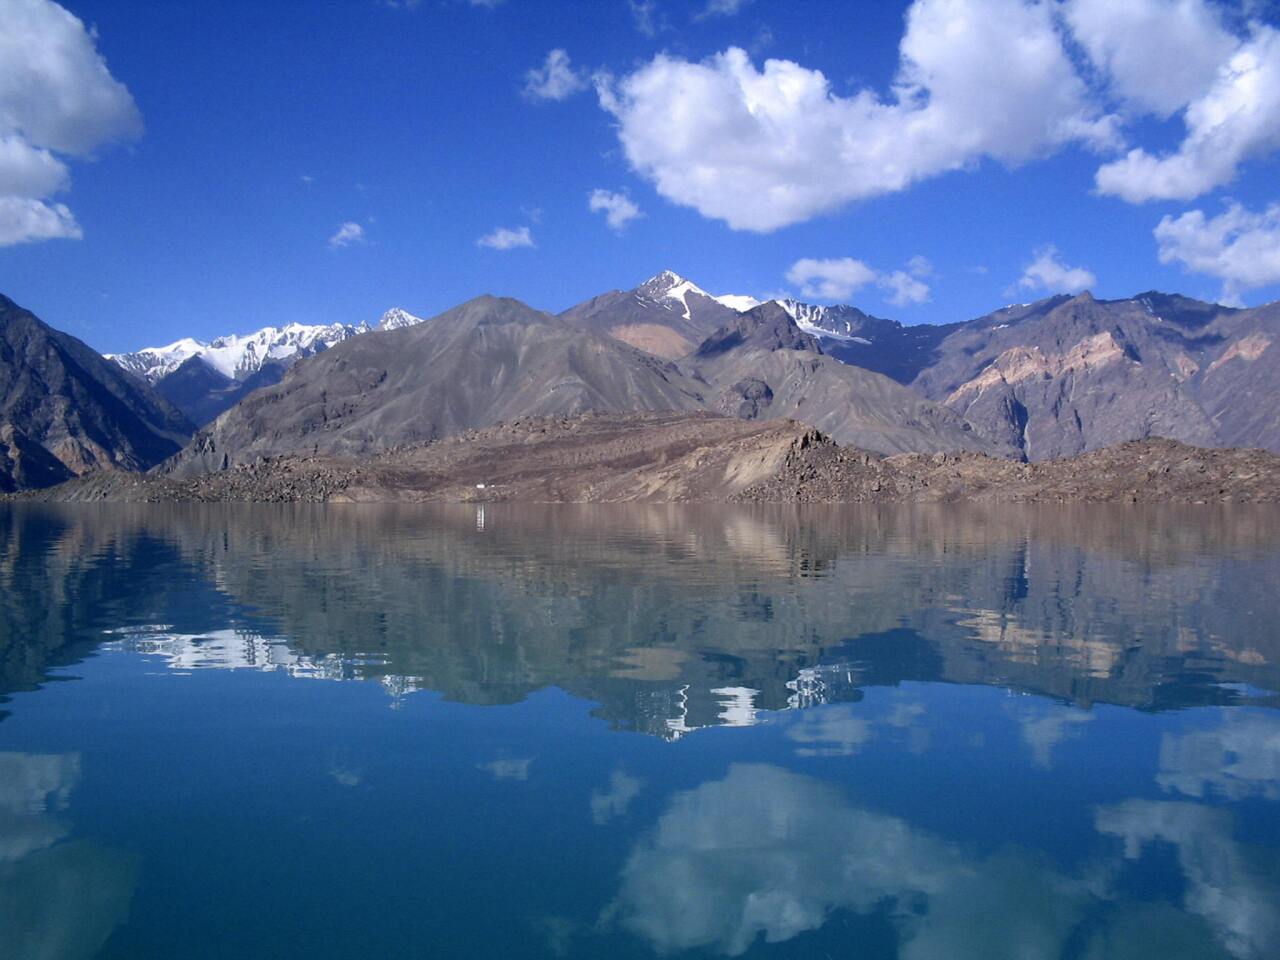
{"type": "Point", "coordinates": [492, 360]}
{"type": "Point", "coordinates": [64, 408]}
{"type": "Point", "coordinates": [1070, 374]}
{"type": "Point", "coordinates": [699, 458]}
{"type": "Point", "coordinates": [1073, 374]}
{"type": "Point", "coordinates": [885, 346]}
{"type": "Point", "coordinates": [666, 315]}
{"type": "Point", "coordinates": [487, 361]}
{"type": "Point", "coordinates": [763, 365]}
{"type": "Point", "coordinates": [204, 379]}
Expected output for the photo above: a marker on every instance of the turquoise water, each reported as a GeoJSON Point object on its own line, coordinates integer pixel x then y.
{"type": "Point", "coordinates": [512, 731]}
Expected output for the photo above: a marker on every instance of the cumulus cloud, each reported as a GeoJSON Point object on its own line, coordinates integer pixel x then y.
{"type": "Point", "coordinates": [1006, 80]}
{"type": "Point", "coordinates": [1047, 272]}
{"type": "Point", "coordinates": [831, 280]}
{"type": "Point", "coordinates": [24, 219]}
{"type": "Point", "coordinates": [506, 238]}
{"type": "Point", "coordinates": [1133, 44]}
{"type": "Point", "coordinates": [618, 209]}
{"type": "Point", "coordinates": [761, 148]}
{"type": "Point", "coordinates": [347, 234]}
{"type": "Point", "coordinates": [1239, 247]}
{"type": "Point", "coordinates": [1237, 118]}
{"type": "Point", "coordinates": [904, 289]}
{"type": "Point", "coordinates": [56, 97]}
{"type": "Point", "coordinates": [555, 79]}
{"type": "Point", "coordinates": [836, 280]}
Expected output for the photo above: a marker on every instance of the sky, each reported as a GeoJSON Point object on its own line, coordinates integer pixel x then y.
{"type": "Point", "coordinates": [194, 169]}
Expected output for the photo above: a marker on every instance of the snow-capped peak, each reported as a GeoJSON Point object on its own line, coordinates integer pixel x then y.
{"type": "Point", "coordinates": [737, 301]}
{"type": "Point", "coordinates": [152, 363]}
{"type": "Point", "coordinates": [822, 321]}
{"type": "Point", "coordinates": [672, 290]}
{"type": "Point", "coordinates": [396, 319]}
{"type": "Point", "coordinates": [238, 355]}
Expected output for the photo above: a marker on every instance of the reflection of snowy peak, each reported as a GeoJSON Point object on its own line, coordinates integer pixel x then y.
{"type": "Point", "coordinates": [238, 356]}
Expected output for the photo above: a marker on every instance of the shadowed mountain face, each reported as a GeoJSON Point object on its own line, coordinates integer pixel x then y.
{"type": "Point", "coordinates": [202, 393]}
{"type": "Point", "coordinates": [885, 346]}
{"type": "Point", "coordinates": [654, 611]}
{"type": "Point", "coordinates": [488, 361]}
{"type": "Point", "coordinates": [666, 315]}
{"type": "Point", "coordinates": [763, 365]}
{"type": "Point", "coordinates": [83, 411]}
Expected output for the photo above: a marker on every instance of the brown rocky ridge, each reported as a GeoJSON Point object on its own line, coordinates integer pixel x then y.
{"type": "Point", "coordinates": [681, 457]}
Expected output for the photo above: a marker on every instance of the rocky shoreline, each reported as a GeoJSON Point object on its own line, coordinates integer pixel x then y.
{"type": "Point", "coordinates": [696, 458]}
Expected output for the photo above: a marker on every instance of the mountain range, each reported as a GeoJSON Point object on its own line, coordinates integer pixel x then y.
{"type": "Point", "coordinates": [1044, 380]}
{"type": "Point", "coordinates": [203, 379]}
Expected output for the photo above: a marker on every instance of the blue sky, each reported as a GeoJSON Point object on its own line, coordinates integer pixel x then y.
{"type": "Point", "coordinates": [265, 127]}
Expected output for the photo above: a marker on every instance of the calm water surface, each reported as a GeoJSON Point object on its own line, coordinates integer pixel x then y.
{"type": "Point", "coordinates": [511, 731]}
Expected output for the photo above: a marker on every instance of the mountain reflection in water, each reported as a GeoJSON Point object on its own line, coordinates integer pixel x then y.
{"type": "Point", "coordinates": [963, 732]}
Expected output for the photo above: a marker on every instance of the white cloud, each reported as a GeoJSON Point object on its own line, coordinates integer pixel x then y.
{"type": "Point", "coordinates": [346, 235]}
{"type": "Point", "coordinates": [904, 289]}
{"type": "Point", "coordinates": [764, 148]}
{"type": "Point", "coordinates": [56, 97]}
{"type": "Point", "coordinates": [830, 280]}
{"type": "Point", "coordinates": [1047, 272]}
{"type": "Point", "coordinates": [555, 79]}
{"type": "Point", "coordinates": [1134, 43]}
{"type": "Point", "coordinates": [646, 16]}
{"type": "Point", "coordinates": [1236, 119]}
{"type": "Point", "coordinates": [506, 238]}
{"type": "Point", "coordinates": [23, 220]}
{"type": "Point", "coordinates": [1239, 247]}
{"type": "Point", "coordinates": [836, 280]}
{"type": "Point", "coordinates": [618, 209]}
{"type": "Point", "coordinates": [721, 8]}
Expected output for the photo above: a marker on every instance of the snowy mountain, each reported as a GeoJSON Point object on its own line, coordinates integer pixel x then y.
{"type": "Point", "coordinates": [738, 301]}
{"type": "Point", "coordinates": [396, 319]}
{"type": "Point", "coordinates": [667, 315]}
{"type": "Point", "coordinates": [238, 356]}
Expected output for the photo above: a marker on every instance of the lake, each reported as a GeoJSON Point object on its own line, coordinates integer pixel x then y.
{"type": "Point", "coordinates": [525, 731]}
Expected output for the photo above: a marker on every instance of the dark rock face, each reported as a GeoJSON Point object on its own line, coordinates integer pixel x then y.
{"type": "Point", "coordinates": [766, 327]}
{"type": "Point", "coordinates": [1069, 375]}
{"type": "Point", "coordinates": [202, 393]}
{"type": "Point", "coordinates": [83, 411]}
{"type": "Point", "coordinates": [874, 343]}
